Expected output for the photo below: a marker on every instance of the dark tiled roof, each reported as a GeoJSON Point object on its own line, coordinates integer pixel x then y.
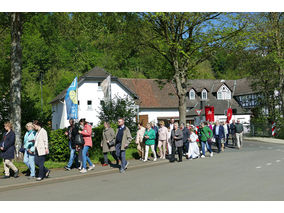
{"type": "Point", "coordinates": [151, 95]}
{"type": "Point", "coordinates": [243, 86]}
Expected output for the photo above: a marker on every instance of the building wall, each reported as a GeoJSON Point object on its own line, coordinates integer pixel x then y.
{"type": "Point", "coordinates": [87, 91]}
{"type": "Point", "coordinates": [153, 114]}
{"type": "Point", "coordinates": [244, 119]}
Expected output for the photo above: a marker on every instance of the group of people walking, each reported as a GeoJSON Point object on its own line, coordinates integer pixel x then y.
{"type": "Point", "coordinates": [80, 140]}
{"type": "Point", "coordinates": [35, 149]}
{"type": "Point", "coordinates": [183, 140]}
{"type": "Point", "coordinates": [174, 139]}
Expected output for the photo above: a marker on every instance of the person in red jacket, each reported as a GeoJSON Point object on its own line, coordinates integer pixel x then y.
{"type": "Point", "coordinates": [87, 136]}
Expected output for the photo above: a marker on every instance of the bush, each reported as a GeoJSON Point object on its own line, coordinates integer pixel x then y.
{"type": "Point", "coordinates": [58, 146]}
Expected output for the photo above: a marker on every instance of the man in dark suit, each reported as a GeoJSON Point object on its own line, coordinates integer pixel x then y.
{"type": "Point", "coordinates": [218, 132]}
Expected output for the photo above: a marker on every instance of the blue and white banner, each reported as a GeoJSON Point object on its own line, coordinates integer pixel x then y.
{"type": "Point", "coordinates": [71, 100]}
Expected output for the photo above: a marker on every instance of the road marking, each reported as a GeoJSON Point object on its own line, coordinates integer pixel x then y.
{"type": "Point", "coordinates": [277, 161]}
{"type": "Point", "coordinates": [268, 164]}
{"type": "Point", "coordinates": [258, 167]}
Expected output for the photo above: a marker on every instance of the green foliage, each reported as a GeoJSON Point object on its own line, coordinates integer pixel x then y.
{"type": "Point", "coordinates": [58, 146]}
{"type": "Point", "coordinates": [119, 108]}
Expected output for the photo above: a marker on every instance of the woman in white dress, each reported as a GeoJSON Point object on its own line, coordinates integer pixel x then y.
{"type": "Point", "coordinates": [193, 149]}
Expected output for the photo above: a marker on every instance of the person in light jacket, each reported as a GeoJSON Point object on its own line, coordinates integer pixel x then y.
{"type": "Point", "coordinates": [87, 136]}
{"type": "Point", "coordinates": [150, 138]}
{"type": "Point", "coordinates": [163, 138]}
{"type": "Point", "coordinates": [29, 145]}
{"type": "Point", "coordinates": [140, 141]}
{"type": "Point", "coordinates": [7, 147]}
{"type": "Point", "coordinates": [108, 136]}
{"type": "Point", "coordinates": [41, 150]}
{"type": "Point", "coordinates": [122, 140]}
{"type": "Point", "coordinates": [177, 142]}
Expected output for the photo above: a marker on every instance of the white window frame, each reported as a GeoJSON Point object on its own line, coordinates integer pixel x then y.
{"type": "Point", "coordinates": [204, 91]}
{"type": "Point", "coordinates": [192, 92]}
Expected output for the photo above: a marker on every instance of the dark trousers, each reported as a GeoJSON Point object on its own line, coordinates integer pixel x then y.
{"type": "Point", "coordinates": [185, 147]}
{"type": "Point", "coordinates": [121, 155]}
{"type": "Point", "coordinates": [218, 142]}
{"type": "Point", "coordinates": [179, 149]}
{"type": "Point", "coordinates": [113, 155]}
{"type": "Point", "coordinates": [172, 157]}
{"type": "Point", "coordinates": [39, 161]}
{"type": "Point", "coordinates": [227, 140]}
{"type": "Point", "coordinates": [155, 146]}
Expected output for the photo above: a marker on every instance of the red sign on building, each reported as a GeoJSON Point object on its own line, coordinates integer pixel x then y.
{"type": "Point", "coordinates": [209, 113]}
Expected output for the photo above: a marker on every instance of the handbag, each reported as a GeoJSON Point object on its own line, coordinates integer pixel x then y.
{"type": "Point", "coordinates": [79, 140]}
{"type": "Point", "coordinates": [111, 143]}
{"type": "Point", "coordinates": [22, 150]}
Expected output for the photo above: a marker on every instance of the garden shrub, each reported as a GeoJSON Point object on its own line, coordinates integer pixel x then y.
{"type": "Point", "coordinates": [58, 146]}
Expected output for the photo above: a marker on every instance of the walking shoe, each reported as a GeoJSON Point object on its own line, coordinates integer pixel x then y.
{"type": "Point", "coordinates": [47, 174]}
{"type": "Point", "coordinates": [5, 177]}
{"type": "Point", "coordinates": [105, 164]}
{"type": "Point", "coordinates": [122, 171]}
{"type": "Point", "coordinates": [211, 154]}
{"type": "Point", "coordinates": [83, 170]}
{"type": "Point", "coordinates": [202, 156]}
{"type": "Point", "coordinates": [126, 165]}
{"type": "Point", "coordinates": [39, 179]}
{"type": "Point", "coordinates": [67, 168]}
{"type": "Point", "coordinates": [91, 167]}
{"type": "Point", "coordinates": [16, 175]}
{"type": "Point", "coordinates": [145, 160]}
{"type": "Point", "coordinates": [80, 168]}
{"type": "Point", "coordinates": [155, 159]}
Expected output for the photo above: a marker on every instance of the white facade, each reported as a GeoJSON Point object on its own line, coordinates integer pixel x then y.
{"type": "Point", "coordinates": [244, 119]}
{"type": "Point", "coordinates": [154, 114]}
{"type": "Point", "coordinates": [89, 97]}
{"type": "Point", "coordinates": [224, 93]}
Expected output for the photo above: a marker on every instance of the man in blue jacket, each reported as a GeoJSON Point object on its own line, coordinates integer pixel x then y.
{"type": "Point", "coordinates": [218, 132]}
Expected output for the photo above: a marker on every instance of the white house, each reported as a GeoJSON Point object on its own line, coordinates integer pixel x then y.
{"type": "Point", "coordinates": [156, 99]}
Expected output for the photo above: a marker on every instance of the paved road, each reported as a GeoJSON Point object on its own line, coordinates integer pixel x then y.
{"type": "Point", "coordinates": [254, 173]}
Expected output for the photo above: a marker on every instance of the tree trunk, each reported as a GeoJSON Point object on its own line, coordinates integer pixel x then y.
{"type": "Point", "coordinates": [181, 86]}
{"type": "Point", "coordinates": [15, 87]}
{"type": "Point", "coordinates": [182, 109]}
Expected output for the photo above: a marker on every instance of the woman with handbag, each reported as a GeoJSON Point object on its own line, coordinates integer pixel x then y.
{"type": "Point", "coordinates": [29, 149]}
{"type": "Point", "coordinates": [205, 138]}
{"type": "Point", "coordinates": [41, 150]}
{"type": "Point", "coordinates": [7, 147]}
{"type": "Point", "coordinates": [108, 143]}
{"type": "Point", "coordinates": [87, 136]}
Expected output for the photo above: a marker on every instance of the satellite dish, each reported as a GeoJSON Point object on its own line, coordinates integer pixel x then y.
{"type": "Point", "coordinates": [222, 81]}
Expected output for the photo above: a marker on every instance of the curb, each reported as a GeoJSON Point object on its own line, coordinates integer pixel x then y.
{"type": "Point", "coordinates": [264, 141]}
{"type": "Point", "coordinates": [75, 177]}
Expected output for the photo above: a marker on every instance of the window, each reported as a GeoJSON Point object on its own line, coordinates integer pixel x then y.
{"type": "Point", "coordinates": [191, 94]}
{"type": "Point", "coordinates": [99, 85]}
{"type": "Point", "coordinates": [89, 103]}
{"type": "Point", "coordinates": [78, 105]}
{"type": "Point", "coordinates": [219, 95]}
{"type": "Point", "coordinates": [101, 102]}
{"type": "Point", "coordinates": [224, 93]}
{"type": "Point", "coordinates": [204, 94]}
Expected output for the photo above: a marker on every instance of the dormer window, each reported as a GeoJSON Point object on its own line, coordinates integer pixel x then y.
{"type": "Point", "coordinates": [191, 94]}
{"type": "Point", "coordinates": [204, 94]}
{"type": "Point", "coordinates": [224, 93]}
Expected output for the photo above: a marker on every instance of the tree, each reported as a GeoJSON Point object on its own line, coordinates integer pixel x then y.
{"type": "Point", "coordinates": [119, 108]}
{"type": "Point", "coordinates": [186, 40]}
{"type": "Point", "coordinates": [16, 69]}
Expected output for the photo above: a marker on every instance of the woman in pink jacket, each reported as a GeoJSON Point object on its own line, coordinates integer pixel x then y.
{"type": "Point", "coordinates": [87, 136]}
